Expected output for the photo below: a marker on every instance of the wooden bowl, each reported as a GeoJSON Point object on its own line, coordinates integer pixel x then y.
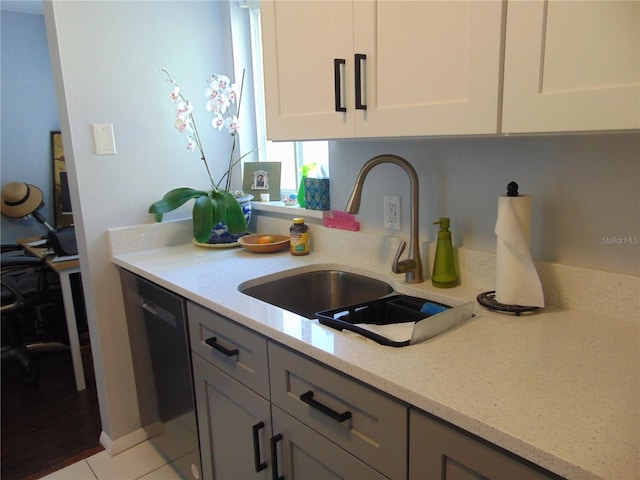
{"type": "Point", "coordinates": [250, 242]}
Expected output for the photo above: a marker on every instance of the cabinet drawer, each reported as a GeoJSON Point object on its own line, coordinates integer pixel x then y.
{"type": "Point", "coordinates": [376, 430]}
{"type": "Point", "coordinates": [235, 350]}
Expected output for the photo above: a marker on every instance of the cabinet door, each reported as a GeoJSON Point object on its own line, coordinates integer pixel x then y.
{"type": "Point", "coordinates": [300, 41]}
{"type": "Point", "coordinates": [228, 415]}
{"type": "Point", "coordinates": [437, 450]}
{"type": "Point", "coordinates": [572, 66]}
{"type": "Point", "coordinates": [301, 453]}
{"type": "Point", "coordinates": [432, 68]}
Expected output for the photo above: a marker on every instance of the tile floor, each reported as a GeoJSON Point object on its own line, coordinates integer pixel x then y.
{"type": "Point", "coordinates": [141, 462]}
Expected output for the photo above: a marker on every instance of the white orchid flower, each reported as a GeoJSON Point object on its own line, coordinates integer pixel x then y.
{"type": "Point", "coordinates": [218, 82]}
{"type": "Point", "coordinates": [231, 124]}
{"type": "Point", "coordinates": [223, 100]}
{"type": "Point", "coordinates": [181, 125]}
{"type": "Point", "coordinates": [184, 110]}
{"type": "Point", "coordinates": [218, 122]}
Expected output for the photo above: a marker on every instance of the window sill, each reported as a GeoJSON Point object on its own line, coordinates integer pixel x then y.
{"type": "Point", "coordinates": [280, 208]}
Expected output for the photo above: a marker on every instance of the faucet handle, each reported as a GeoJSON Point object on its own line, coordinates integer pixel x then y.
{"type": "Point", "coordinates": [403, 266]}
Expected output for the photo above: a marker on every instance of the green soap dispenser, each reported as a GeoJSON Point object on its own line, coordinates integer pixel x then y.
{"type": "Point", "coordinates": [444, 271]}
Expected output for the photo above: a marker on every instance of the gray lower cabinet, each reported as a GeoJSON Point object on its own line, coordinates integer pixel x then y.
{"type": "Point", "coordinates": [265, 411]}
{"type": "Point", "coordinates": [440, 451]}
{"type": "Point", "coordinates": [237, 378]}
{"type": "Point", "coordinates": [300, 453]}
{"type": "Point", "coordinates": [231, 383]}
{"type": "Point", "coordinates": [234, 425]}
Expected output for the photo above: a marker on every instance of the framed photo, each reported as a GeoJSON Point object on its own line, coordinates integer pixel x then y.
{"type": "Point", "coordinates": [61, 197]}
{"type": "Point", "coordinates": [262, 177]}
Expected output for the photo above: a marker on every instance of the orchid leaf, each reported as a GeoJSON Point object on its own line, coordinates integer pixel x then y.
{"type": "Point", "coordinates": [173, 199]}
{"type": "Point", "coordinates": [202, 218]}
{"type": "Point", "coordinates": [233, 216]}
{"type": "Point", "coordinates": [219, 207]}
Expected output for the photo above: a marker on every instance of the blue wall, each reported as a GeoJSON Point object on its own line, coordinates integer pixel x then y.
{"type": "Point", "coordinates": [29, 114]}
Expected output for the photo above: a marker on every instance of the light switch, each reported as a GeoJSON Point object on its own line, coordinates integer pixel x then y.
{"type": "Point", "coordinates": [103, 140]}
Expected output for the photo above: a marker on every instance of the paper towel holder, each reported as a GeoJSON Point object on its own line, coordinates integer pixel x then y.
{"type": "Point", "coordinates": [512, 189]}
{"type": "Point", "coordinates": [488, 299]}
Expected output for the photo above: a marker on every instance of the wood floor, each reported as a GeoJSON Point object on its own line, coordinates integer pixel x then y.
{"type": "Point", "coordinates": [46, 424]}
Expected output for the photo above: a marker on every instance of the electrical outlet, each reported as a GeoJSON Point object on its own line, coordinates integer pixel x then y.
{"type": "Point", "coordinates": [392, 212]}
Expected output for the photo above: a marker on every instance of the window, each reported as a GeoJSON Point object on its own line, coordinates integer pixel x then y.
{"type": "Point", "coordinates": [292, 155]}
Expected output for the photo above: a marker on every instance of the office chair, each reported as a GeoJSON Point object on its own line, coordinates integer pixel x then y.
{"type": "Point", "coordinates": [32, 309]}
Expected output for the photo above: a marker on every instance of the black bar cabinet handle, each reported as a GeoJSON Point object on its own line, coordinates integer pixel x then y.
{"type": "Point", "coordinates": [359, 57]}
{"type": "Point", "coordinates": [259, 466]}
{"type": "Point", "coordinates": [213, 343]}
{"type": "Point", "coordinates": [337, 79]}
{"type": "Point", "coordinates": [338, 417]}
{"type": "Point", "coordinates": [274, 457]}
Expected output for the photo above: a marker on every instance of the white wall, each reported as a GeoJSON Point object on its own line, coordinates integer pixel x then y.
{"type": "Point", "coordinates": [29, 113]}
{"type": "Point", "coordinates": [585, 189]}
{"type": "Point", "coordinates": [106, 57]}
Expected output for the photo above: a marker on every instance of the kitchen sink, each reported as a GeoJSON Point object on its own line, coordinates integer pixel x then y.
{"type": "Point", "coordinates": [311, 292]}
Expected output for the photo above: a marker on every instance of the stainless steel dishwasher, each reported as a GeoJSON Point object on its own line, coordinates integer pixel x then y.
{"type": "Point", "coordinates": [159, 338]}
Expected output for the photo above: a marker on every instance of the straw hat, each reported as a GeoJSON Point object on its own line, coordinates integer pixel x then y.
{"type": "Point", "coordinates": [20, 199]}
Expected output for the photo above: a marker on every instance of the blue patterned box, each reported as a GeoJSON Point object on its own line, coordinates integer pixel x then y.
{"type": "Point", "coordinates": [316, 193]}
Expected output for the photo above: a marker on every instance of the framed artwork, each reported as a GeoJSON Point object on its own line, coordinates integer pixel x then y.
{"type": "Point", "coordinates": [61, 197]}
{"type": "Point", "coordinates": [262, 177]}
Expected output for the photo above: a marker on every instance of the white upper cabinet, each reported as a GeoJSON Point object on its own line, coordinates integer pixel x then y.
{"type": "Point", "coordinates": [424, 68]}
{"type": "Point", "coordinates": [572, 66]}
{"type": "Point", "coordinates": [392, 68]}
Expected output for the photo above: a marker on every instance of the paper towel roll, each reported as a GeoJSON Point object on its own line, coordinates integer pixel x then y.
{"type": "Point", "coordinates": [517, 281]}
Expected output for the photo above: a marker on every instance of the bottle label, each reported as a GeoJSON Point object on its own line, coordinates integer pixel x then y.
{"type": "Point", "coordinates": [299, 243]}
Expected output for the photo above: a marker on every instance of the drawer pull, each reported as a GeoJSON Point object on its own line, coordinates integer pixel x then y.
{"type": "Point", "coordinates": [212, 342]}
{"type": "Point", "coordinates": [338, 417]}
{"type": "Point", "coordinates": [259, 466]}
{"type": "Point", "coordinates": [274, 457]}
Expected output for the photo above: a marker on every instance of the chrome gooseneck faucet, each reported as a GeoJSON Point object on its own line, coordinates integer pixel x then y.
{"type": "Point", "coordinates": [412, 265]}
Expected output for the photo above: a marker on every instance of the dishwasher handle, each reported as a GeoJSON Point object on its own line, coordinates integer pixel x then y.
{"type": "Point", "coordinates": [159, 312]}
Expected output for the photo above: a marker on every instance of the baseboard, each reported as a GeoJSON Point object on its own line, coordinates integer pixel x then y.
{"type": "Point", "coordinates": [113, 447]}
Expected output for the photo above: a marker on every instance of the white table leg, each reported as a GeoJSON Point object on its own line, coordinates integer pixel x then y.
{"type": "Point", "coordinates": [72, 326]}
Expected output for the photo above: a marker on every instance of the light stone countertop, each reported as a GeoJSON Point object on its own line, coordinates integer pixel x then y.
{"type": "Point", "coordinates": [560, 388]}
